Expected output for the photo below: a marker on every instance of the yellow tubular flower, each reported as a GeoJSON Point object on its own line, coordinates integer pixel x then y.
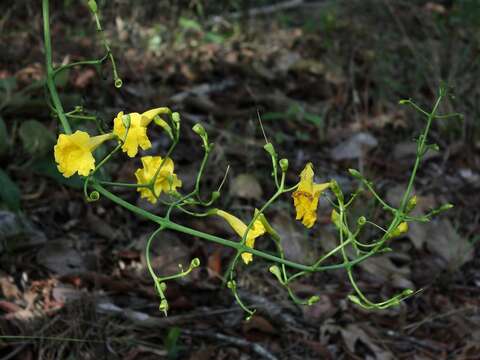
{"type": "Point", "coordinates": [73, 153]}
{"type": "Point", "coordinates": [305, 198]}
{"type": "Point", "coordinates": [240, 228]}
{"type": "Point", "coordinates": [166, 180]}
{"type": "Point", "coordinates": [137, 132]}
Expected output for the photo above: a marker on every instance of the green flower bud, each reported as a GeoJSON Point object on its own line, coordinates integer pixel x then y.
{"type": "Point", "coordinates": [231, 284]}
{"type": "Point", "coordinates": [355, 173]}
{"type": "Point", "coordinates": [215, 195]}
{"type": "Point", "coordinates": [176, 119]}
{"type": "Point", "coordinates": [270, 149]}
{"type": "Point", "coordinates": [275, 270]}
{"type": "Point", "coordinates": [313, 299]}
{"type": "Point", "coordinates": [355, 300]}
{"type": "Point", "coordinates": [199, 130]}
{"type": "Point", "coordinates": [283, 164]}
{"type": "Point", "coordinates": [163, 306]}
{"type": "Point", "coordinates": [92, 4]}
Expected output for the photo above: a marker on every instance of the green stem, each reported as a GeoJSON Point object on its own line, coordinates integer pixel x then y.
{"type": "Point", "coordinates": [232, 244]}
{"type": "Point", "coordinates": [49, 67]}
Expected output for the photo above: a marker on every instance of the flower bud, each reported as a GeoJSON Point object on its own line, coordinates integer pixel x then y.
{"type": "Point", "coordinates": [283, 164]}
{"type": "Point", "coordinates": [313, 299]}
{"type": "Point", "coordinates": [199, 130]}
{"type": "Point", "coordinates": [412, 203]}
{"type": "Point", "coordinates": [401, 229]}
{"type": "Point", "coordinates": [355, 173]}
{"type": "Point", "coordinates": [275, 270]}
{"type": "Point", "coordinates": [163, 306]}
{"type": "Point", "coordinates": [270, 149]}
{"type": "Point", "coordinates": [231, 284]}
{"type": "Point", "coordinates": [176, 119]}
{"type": "Point", "coordinates": [92, 4]}
{"type": "Point", "coordinates": [215, 196]}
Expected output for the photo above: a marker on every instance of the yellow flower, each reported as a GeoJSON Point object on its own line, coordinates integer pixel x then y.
{"type": "Point", "coordinates": [240, 228]}
{"type": "Point", "coordinates": [73, 153]}
{"type": "Point", "coordinates": [166, 180]}
{"type": "Point", "coordinates": [305, 198]}
{"type": "Point", "coordinates": [137, 131]}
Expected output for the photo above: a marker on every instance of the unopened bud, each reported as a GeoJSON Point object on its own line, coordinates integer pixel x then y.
{"type": "Point", "coordinates": [274, 269]}
{"type": "Point", "coordinates": [270, 149]}
{"type": "Point", "coordinates": [401, 229]}
{"type": "Point", "coordinates": [355, 173]}
{"type": "Point", "coordinates": [199, 130]}
{"type": "Point", "coordinates": [283, 164]}
{"type": "Point", "coordinates": [412, 203]}
{"type": "Point", "coordinates": [313, 299]}
{"type": "Point", "coordinates": [92, 4]}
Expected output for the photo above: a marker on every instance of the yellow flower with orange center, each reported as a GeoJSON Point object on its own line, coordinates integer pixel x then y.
{"type": "Point", "coordinates": [305, 198]}
{"type": "Point", "coordinates": [135, 135]}
{"type": "Point", "coordinates": [166, 180]}
{"type": "Point", "coordinates": [240, 228]}
{"type": "Point", "coordinates": [73, 152]}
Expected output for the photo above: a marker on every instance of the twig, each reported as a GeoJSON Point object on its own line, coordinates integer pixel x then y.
{"type": "Point", "coordinates": [263, 10]}
{"type": "Point", "coordinates": [259, 349]}
{"type": "Point", "coordinates": [412, 327]}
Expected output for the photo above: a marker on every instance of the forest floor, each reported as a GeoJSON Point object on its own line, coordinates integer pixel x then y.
{"type": "Point", "coordinates": [325, 78]}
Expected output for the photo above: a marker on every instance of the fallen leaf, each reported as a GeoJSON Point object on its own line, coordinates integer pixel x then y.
{"type": "Point", "coordinates": [84, 78]}
{"type": "Point", "coordinates": [61, 258]}
{"type": "Point", "coordinates": [215, 262]}
{"type": "Point", "coordinates": [296, 246]}
{"type": "Point", "coordinates": [246, 186]}
{"type": "Point", "coordinates": [353, 333]}
{"type": "Point", "coordinates": [385, 270]}
{"type": "Point", "coordinates": [355, 147]}
{"type": "Point", "coordinates": [442, 239]}
{"type": "Point", "coordinates": [8, 289]}
{"type": "Point", "coordinates": [259, 323]}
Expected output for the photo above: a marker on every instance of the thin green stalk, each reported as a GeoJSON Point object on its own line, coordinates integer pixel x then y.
{"type": "Point", "coordinates": [49, 67]}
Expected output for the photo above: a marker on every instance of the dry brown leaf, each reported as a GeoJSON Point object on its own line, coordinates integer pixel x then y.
{"type": "Point", "coordinates": [296, 245]}
{"type": "Point", "coordinates": [246, 186]}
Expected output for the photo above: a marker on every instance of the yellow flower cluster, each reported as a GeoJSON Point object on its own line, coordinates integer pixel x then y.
{"type": "Point", "coordinates": [74, 153]}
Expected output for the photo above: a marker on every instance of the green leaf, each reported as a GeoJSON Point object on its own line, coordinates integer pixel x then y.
{"type": "Point", "coordinates": [3, 137]}
{"type": "Point", "coordinates": [171, 342]}
{"type": "Point", "coordinates": [47, 167]}
{"type": "Point", "coordinates": [189, 24]}
{"type": "Point", "coordinates": [315, 119]}
{"type": "Point", "coordinates": [37, 140]}
{"type": "Point", "coordinates": [9, 191]}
